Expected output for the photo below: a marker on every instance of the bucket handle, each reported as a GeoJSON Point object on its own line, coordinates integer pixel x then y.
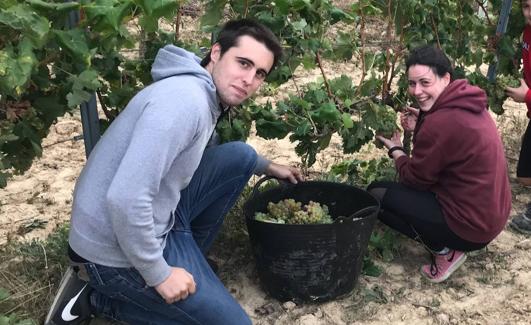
{"type": "Point", "coordinates": [282, 183]}
{"type": "Point", "coordinates": [360, 214]}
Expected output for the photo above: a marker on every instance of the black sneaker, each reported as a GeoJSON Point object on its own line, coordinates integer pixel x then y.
{"type": "Point", "coordinates": [71, 304]}
{"type": "Point", "coordinates": [522, 223]}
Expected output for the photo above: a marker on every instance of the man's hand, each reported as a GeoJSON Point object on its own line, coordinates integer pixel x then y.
{"type": "Point", "coordinates": [408, 119]}
{"type": "Point", "coordinates": [284, 172]}
{"type": "Point", "coordinates": [177, 286]}
{"type": "Point", "coordinates": [518, 94]}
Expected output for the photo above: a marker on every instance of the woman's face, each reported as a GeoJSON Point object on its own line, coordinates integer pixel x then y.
{"type": "Point", "coordinates": [526, 11]}
{"type": "Point", "coordinates": [425, 85]}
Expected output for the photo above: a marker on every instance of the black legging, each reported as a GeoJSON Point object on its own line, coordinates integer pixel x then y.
{"type": "Point", "coordinates": [418, 215]}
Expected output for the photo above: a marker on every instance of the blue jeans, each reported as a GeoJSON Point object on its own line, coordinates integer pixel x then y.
{"type": "Point", "coordinates": [122, 294]}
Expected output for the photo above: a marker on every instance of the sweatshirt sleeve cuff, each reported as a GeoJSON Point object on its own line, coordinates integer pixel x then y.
{"type": "Point", "coordinates": [528, 103]}
{"type": "Point", "coordinates": [400, 161]}
{"type": "Point", "coordinates": [157, 273]}
{"type": "Point", "coordinates": [261, 165]}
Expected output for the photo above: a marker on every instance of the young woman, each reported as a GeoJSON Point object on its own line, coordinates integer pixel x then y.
{"type": "Point", "coordinates": [453, 193]}
{"type": "Point", "coordinates": [522, 94]}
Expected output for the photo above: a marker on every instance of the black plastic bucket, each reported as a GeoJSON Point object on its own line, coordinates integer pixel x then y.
{"type": "Point", "coordinates": [314, 262]}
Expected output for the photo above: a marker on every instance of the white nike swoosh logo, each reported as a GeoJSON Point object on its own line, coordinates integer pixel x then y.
{"type": "Point", "coordinates": [66, 315]}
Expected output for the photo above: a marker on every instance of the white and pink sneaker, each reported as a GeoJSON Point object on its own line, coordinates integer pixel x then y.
{"type": "Point", "coordinates": [443, 266]}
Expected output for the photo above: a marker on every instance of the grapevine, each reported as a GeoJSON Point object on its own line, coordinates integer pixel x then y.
{"type": "Point", "coordinates": [289, 211]}
{"type": "Point", "coordinates": [48, 68]}
{"type": "Point", "coordinates": [496, 94]}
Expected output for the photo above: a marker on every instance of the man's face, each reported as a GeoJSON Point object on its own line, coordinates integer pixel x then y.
{"type": "Point", "coordinates": [241, 70]}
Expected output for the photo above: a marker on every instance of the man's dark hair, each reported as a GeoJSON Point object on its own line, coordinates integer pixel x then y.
{"type": "Point", "coordinates": [232, 30]}
{"type": "Point", "coordinates": [432, 57]}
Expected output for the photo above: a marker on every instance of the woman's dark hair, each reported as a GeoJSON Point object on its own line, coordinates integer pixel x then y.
{"type": "Point", "coordinates": [432, 57]}
{"type": "Point", "coordinates": [232, 30]}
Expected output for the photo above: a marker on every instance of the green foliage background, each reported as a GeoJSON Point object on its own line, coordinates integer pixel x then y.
{"type": "Point", "coordinates": [48, 68]}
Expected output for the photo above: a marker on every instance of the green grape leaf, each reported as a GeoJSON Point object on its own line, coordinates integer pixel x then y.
{"type": "Point", "coordinates": [149, 24]}
{"type": "Point", "coordinates": [7, 3]}
{"type": "Point", "coordinates": [108, 15]}
{"type": "Point", "coordinates": [327, 112]}
{"type": "Point", "coordinates": [355, 137]}
{"type": "Point", "coordinates": [283, 6]}
{"type": "Point", "coordinates": [343, 46]}
{"type": "Point", "coordinates": [4, 320]}
{"type": "Point", "coordinates": [59, 7]}
{"type": "Point", "coordinates": [303, 128]}
{"type": "Point", "coordinates": [83, 86]}
{"type": "Point", "coordinates": [75, 41]}
{"type": "Point", "coordinates": [370, 269]}
{"type": "Point", "coordinates": [49, 107]}
{"type": "Point", "coordinates": [4, 294]}
{"type": "Point", "coordinates": [271, 129]}
{"type": "Point", "coordinates": [157, 8]}
{"type": "Point", "coordinates": [7, 137]}
{"type": "Point", "coordinates": [337, 15]}
{"type": "Point", "coordinates": [233, 130]}
{"type": "Point", "coordinates": [343, 88]}
{"type": "Point", "coordinates": [213, 14]}
{"type": "Point", "coordinates": [324, 141]}
{"type": "Point", "coordinates": [299, 25]}
{"type": "Point", "coordinates": [16, 67]}
{"type": "Point", "coordinates": [308, 61]}
{"type": "Point", "coordinates": [347, 121]}
{"type": "Point", "coordinates": [23, 18]}
{"type": "Point", "coordinates": [26, 131]}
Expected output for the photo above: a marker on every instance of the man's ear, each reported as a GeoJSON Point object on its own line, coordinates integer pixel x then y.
{"type": "Point", "coordinates": [215, 53]}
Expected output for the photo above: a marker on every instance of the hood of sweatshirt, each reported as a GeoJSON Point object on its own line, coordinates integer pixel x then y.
{"type": "Point", "coordinates": [459, 94]}
{"type": "Point", "coordinates": [173, 61]}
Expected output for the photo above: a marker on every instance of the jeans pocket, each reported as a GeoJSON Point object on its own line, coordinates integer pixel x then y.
{"type": "Point", "coordinates": [94, 274]}
{"type": "Point", "coordinates": [133, 278]}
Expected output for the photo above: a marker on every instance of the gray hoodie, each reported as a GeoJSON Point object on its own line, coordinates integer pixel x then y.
{"type": "Point", "coordinates": [126, 194]}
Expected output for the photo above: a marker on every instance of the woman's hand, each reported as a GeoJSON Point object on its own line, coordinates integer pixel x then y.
{"type": "Point", "coordinates": [408, 119]}
{"type": "Point", "coordinates": [518, 94]}
{"type": "Point", "coordinates": [393, 142]}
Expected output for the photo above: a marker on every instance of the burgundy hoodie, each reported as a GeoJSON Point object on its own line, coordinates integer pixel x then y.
{"type": "Point", "coordinates": [458, 155]}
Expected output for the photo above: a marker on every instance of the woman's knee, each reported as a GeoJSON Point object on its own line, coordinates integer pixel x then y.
{"type": "Point", "coordinates": [378, 192]}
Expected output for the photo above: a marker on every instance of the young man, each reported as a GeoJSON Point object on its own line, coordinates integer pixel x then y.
{"type": "Point", "coordinates": [152, 196]}
{"type": "Point", "coordinates": [522, 94]}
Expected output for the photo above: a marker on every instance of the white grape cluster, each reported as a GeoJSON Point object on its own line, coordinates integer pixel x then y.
{"type": "Point", "coordinates": [289, 211]}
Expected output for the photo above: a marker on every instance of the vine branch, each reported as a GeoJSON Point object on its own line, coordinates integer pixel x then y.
{"type": "Point", "coordinates": [481, 4]}
{"type": "Point", "coordinates": [362, 54]}
{"type": "Point", "coordinates": [178, 22]}
{"type": "Point", "coordinates": [435, 31]}
{"type": "Point", "coordinates": [108, 113]}
{"type": "Point", "coordinates": [320, 64]}
{"type": "Point", "coordinates": [246, 10]}
{"type": "Point", "coordinates": [389, 36]}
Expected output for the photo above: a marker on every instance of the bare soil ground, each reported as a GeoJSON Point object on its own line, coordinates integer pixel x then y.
{"type": "Point", "coordinates": [493, 286]}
